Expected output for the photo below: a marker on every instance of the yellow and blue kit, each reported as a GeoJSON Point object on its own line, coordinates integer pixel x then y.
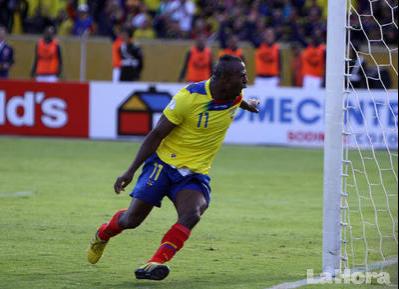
{"type": "Point", "coordinates": [185, 156]}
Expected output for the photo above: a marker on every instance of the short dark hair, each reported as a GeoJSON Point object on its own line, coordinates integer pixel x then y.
{"type": "Point", "coordinates": [128, 30]}
{"type": "Point", "coordinates": [223, 67]}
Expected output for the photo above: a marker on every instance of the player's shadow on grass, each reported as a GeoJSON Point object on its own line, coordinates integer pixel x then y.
{"type": "Point", "coordinates": [167, 284]}
{"type": "Point", "coordinates": [151, 285]}
{"type": "Point", "coordinates": [225, 281]}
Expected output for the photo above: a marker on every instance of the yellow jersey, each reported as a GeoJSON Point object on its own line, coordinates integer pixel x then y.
{"type": "Point", "coordinates": [201, 126]}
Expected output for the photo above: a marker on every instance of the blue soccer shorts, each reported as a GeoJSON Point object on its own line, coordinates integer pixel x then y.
{"type": "Point", "coordinates": [159, 179]}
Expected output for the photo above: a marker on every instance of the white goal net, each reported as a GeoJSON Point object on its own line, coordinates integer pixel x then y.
{"type": "Point", "coordinates": [369, 201]}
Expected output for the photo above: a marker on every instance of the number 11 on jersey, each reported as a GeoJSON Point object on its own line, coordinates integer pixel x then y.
{"type": "Point", "coordinates": [203, 119]}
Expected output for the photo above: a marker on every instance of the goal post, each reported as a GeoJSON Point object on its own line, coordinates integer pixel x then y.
{"type": "Point", "coordinates": [333, 147]}
{"type": "Point", "coordinates": [360, 210]}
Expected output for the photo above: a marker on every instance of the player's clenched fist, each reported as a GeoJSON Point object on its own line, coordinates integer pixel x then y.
{"type": "Point", "coordinates": [122, 182]}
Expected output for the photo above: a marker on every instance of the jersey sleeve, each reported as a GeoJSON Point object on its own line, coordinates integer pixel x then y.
{"type": "Point", "coordinates": [177, 108]}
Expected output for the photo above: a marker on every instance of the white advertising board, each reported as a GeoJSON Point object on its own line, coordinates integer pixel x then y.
{"type": "Point", "coordinates": [288, 117]}
{"type": "Point", "coordinates": [295, 117]}
{"type": "Point", "coordinates": [107, 101]}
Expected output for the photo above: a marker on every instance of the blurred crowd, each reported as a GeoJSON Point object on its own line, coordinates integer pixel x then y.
{"type": "Point", "coordinates": [292, 19]}
{"type": "Point", "coordinates": [263, 23]}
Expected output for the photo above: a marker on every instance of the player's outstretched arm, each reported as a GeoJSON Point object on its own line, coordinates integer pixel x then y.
{"type": "Point", "coordinates": [148, 147]}
{"type": "Point", "coordinates": [251, 106]}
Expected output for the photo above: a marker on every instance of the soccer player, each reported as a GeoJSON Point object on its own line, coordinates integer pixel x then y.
{"type": "Point", "coordinates": [177, 155]}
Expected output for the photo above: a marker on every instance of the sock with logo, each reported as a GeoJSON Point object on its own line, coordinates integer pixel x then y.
{"type": "Point", "coordinates": [112, 228]}
{"type": "Point", "coordinates": [172, 242]}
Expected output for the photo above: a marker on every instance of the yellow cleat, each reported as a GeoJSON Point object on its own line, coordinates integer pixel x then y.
{"type": "Point", "coordinates": [152, 271]}
{"type": "Point", "coordinates": [96, 249]}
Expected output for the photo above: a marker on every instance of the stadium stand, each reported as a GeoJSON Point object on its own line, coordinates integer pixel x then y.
{"type": "Point", "coordinates": [294, 23]}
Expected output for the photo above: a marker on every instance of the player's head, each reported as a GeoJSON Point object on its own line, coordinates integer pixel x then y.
{"type": "Point", "coordinates": [230, 74]}
{"type": "Point", "coordinates": [269, 36]}
{"type": "Point", "coordinates": [3, 33]}
{"type": "Point", "coordinates": [49, 33]}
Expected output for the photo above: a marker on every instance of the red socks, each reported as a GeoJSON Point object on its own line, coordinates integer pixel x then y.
{"type": "Point", "coordinates": [111, 228]}
{"type": "Point", "coordinates": [171, 243]}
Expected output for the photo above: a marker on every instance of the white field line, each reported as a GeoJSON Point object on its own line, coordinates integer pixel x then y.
{"type": "Point", "coordinates": [304, 282]}
{"type": "Point", "coordinates": [16, 194]}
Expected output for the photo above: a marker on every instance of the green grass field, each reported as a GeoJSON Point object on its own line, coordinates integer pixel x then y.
{"type": "Point", "coordinates": [263, 227]}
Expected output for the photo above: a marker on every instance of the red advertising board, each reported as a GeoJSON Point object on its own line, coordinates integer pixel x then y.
{"type": "Point", "coordinates": [44, 109]}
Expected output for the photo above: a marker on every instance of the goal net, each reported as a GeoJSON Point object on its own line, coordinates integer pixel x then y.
{"type": "Point", "coordinates": [369, 198]}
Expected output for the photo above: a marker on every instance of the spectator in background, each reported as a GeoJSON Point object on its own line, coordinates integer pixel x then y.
{"type": "Point", "coordinates": [19, 10]}
{"type": "Point", "coordinates": [228, 41]}
{"type": "Point", "coordinates": [175, 18]}
{"type": "Point", "coordinates": [153, 6]}
{"type": "Point", "coordinates": [314, 62]}
{"type": "Point", "coordinates": [140, 16]}
{"type": "Point", "coordinates": [287, 9]}
{"type": "Point", "coordinates": [358, 68]}
{"type": "Point", "coordinates": [268, 60]}
{"type": "Point", "coordinates": [112, 17]}
{"type": "Point", "coordinates": [6, 54]}
{"type": "Point", "coordinates": [314, 20]}
{"type": "Point", "coordinates": [84, 22]}
{"type": "Point", "coordinates": [47, 65]}
{"type": "Point", "coordinates": [5, 15]}
{"type": "Point", "coordinates": [116, 58]}
{"type": "Point", "coordinates": [46, 8]}
{"type": "Point", "coordinates": [198, 64]}
{"type": "Point", "coordinates": [277, 22]}
{"type": "Point", "coordinates": [131, 57]}
{"type": "Point", "coordinates": [42, 13]}
{"type": "Point", "coordinates": [319, 5]}
{"type": "Point", "coordinates": [65, 23]}
{"type": "Point", "coordinates": [379, 78]}
{"type": "Point", "coordinates": [133, 9]}
{"type": "Point", "coordinates": [231, 48]}
{"type": "Point", "coordinates": [201, 27]}
{"type": "Point", "coordinates": [300, 4]}
{"type": "Point", "coordinates": [145, 31]}
{"type": "Point", "coordinates": [314, 8]}
{"type": "Point", "coordinates": [182, 12]}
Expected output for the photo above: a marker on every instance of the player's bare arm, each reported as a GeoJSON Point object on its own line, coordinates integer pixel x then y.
{"type": "Point", "coordinates": [148, 147]}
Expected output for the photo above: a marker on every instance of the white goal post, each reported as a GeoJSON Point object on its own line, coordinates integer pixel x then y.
{"type": "Point", "coordinates": [360, 211]}
{"type": "Point", "coordinates": [333, 150]}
